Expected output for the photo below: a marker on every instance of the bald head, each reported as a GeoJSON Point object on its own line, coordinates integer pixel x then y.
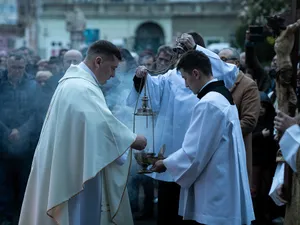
{"type": "Point", "coordinates": [72, 57]}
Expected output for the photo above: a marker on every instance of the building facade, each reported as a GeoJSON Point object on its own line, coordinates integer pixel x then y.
{"type": "Point", "coordinates": [136, 24]}
{"type": "Point", "coordinates": [15, 15]}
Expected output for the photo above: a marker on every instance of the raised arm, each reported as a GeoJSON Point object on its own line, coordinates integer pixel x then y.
{"type": "Point", "coordinates": [221, 70]}
{"type": "Point", "coordinates": [257, 71]}
{"type": "Point", "coordinates": [155, 87]}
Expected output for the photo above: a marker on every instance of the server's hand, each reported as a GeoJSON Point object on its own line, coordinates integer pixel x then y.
{"type": "Point", "coordinates": [159, 167]}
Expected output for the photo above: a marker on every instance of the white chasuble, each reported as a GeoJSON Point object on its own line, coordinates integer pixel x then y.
{"type": "Point", "coordinates": [79, 172]}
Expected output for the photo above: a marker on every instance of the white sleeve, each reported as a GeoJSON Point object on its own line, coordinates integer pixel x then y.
{"type": "Point", "coordinates": [156, 86]}
{"type": "Point", "coordinates": [198, 147]}
{"type": "Point", "coordinates": [221, 70]}
{"type": "Point", "coordinates": [289, 145]}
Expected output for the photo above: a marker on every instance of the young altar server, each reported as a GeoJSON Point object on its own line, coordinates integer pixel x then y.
{"type": "Point", "coordinates": [173, 103]}
{"type": "Point", "coordinates": [80, 168]}
{"type": "Point", "coordinates": [211, 165]}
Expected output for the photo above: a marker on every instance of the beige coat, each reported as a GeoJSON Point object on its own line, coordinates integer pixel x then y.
{"type": "Point", "coordinates": [246, 97]}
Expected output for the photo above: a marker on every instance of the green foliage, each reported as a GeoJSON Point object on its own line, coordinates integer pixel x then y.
{"type": "Point", "coordinates": [254, 12]}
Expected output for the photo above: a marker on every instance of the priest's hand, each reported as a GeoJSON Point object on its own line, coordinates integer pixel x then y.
{"type": "Point", "coordinates": [140, 143]}
{"type": "Point", "coordinates": [187, 40]}
{"type": "Point", "coordinates": [141, 72]}
{"type": "Point", "coordinates": [283, 122]}
{"type": "Point", "coordinates": [159, 167]}
{"type": "Point", "coordinates": [14, 135]}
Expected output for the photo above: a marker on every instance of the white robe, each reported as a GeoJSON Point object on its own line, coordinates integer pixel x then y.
{"type": "Point", "coordinates": [78, 173]}
{"type": "Point", "coordinates": [173, 103]}
{"type": "Point", "coordinates": [290, 144]}
{"type": "Point", "coordinates": [211, 166]}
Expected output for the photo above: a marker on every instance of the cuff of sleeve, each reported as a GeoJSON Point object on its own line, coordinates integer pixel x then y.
{"type": "Point", "coordinates": [207, 52]}
{"type": "Point", "coordinates": [177, 164]}
{"type": "Point", "coordinates": [289, 145]}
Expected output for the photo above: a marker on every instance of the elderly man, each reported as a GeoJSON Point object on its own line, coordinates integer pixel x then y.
{"type": "Point", "coordinates": [72, 57]}
{"type": "Point", "coordinates": [18, 96]}
{"type": "Point", "coordinates": [246, 97]}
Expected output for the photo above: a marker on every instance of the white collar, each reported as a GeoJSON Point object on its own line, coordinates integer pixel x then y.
{"type": "Point", "coordinates": [83, 66]}
{"type": "Point", "coordinates": [213, 80]}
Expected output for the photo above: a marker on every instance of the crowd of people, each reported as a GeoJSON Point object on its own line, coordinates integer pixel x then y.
{"type": "Point", "coordinates": [28, 83]}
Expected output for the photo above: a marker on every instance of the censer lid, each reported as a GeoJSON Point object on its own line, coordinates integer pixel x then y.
{"type": "Point", "coordinates": [144, 112]}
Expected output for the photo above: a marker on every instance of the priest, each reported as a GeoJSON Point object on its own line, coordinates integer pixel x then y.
{"type": "Point", "coordinates": [80, 168]}
{"type": "Point", "coordinates": [210, 166]}
{"type": "Point", "coordinates": [173, 103]}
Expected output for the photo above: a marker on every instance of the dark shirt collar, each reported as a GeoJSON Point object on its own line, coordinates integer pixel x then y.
{"type": "Point", "coordinates": [209, 87]}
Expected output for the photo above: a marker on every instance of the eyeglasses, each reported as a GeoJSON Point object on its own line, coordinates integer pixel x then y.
{"type": "Point", "coordinates": [224, 59]}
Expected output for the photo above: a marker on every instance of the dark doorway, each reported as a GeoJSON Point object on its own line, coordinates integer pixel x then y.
{"type": "Point", "coordinates": [149, 36]}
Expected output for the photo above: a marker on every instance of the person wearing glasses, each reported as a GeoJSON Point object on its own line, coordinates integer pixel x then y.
{"type": "Point", "coordinates": [246, 97]}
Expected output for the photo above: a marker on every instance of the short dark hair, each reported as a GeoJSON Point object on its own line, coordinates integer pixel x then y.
{"type": "Point", "coordinates": [16, 56]}
{"type": "Point", "coordinates": [53, 60]}
{"type": "Point", "coordinates": [104, 47]}
{"type": "Point", "coordinates": [197, 38]}
{"type": "Point", "coordinates": [195, 60]}
{"type": "Point", "coordinates": [62, 50]}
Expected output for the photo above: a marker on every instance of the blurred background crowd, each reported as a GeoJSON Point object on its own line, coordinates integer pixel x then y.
{"type": "Point", "coordinates": [40, 39]}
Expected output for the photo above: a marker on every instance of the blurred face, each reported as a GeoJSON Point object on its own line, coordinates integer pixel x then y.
{"type": "Point", "coordinates": [243, 58]}
{"type": "Point", "coordinates": [105, 68]}
{"type": "Point", "coordinates": [43, 66]}
{"type": "Point", "coordinates": [71, 60]}
{"type": "Point", "coordinates": [263, 109]}
{"type": "Point", "coordinates": [226, 56]}
{"type": "Point", "coordinates": [41, 79]}
{"type": "Point", "coordinates": [16, 68]}
{"type": "Point", "coordinates": [163, 60]}
{"type": "Point", "coordinates": [53, 68]}
{"type": "Point", "coordinates": [191, 80]}
{"type": "Point", "coordinates": [62, 53]}
{"type": "Point", "coordinates": [147, 62]}
{"type": "Point", "coordinates": [274, 63]}
{"type": "Point", "coordinates": [3, 61]}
